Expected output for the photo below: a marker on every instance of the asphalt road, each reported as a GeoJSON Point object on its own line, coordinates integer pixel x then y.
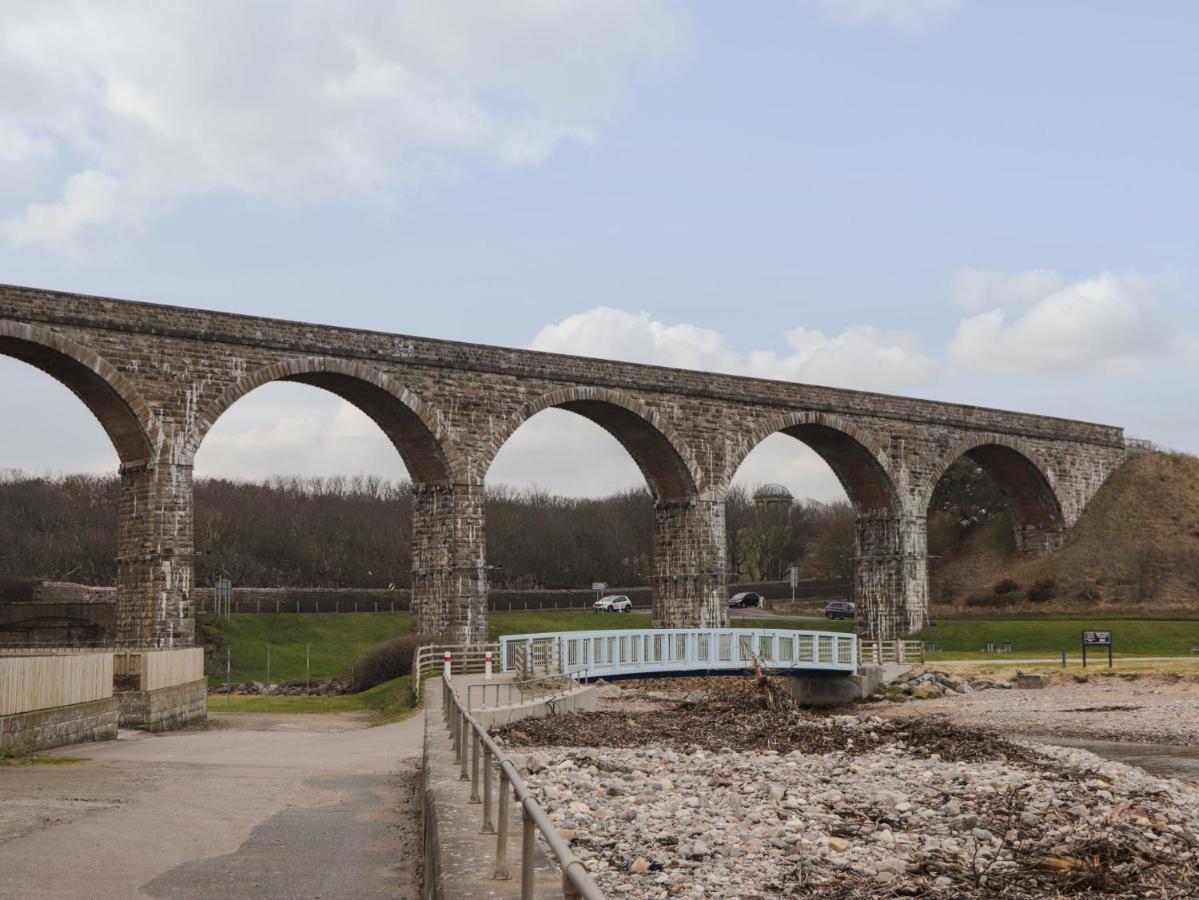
{"type": "Point", "coordinates": [255, 807]}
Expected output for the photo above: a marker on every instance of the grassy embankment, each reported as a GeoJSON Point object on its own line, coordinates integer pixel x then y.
{"type": "Point", "coordinates": [1134, 549]}
{"type": "Point", "coordinates": [1044, 637]}
{"type": "Point", "coordinates": [390, 701]}
{"type": "Point", "coordinates": [338, 639]}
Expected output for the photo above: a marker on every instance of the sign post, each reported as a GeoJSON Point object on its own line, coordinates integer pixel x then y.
{"type": "Point", "coordinates": [1096, 639]}
{"type": "Point", "coordinates": [598, 587]}
{"type": "Point", "coordinates": [794, 582]}
{"type": "Point", "coordinates": [223, 595]}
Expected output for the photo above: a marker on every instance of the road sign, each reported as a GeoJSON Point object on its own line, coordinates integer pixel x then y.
{"type": "Point", "coordinates": [599, 585]}
{"type": "Point", "coordinates": [222, 594]}
{"type": "Point", "coordinates": [1096, 639]}
{"type": "Point", "coordinates": [794, 577]}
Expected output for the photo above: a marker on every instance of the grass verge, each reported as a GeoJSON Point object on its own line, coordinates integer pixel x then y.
{"type": "Point", "coordinates": [962, 638]}
{"type": "Point", "coordinates": [391, 700]}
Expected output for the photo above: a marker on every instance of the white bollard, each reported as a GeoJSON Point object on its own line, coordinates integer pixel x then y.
{"type": "Point", "coordinates": [449, 661]}
{"type": "Point", "coordinates": [487, 666]}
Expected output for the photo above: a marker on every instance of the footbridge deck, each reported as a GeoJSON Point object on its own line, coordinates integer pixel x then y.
{"type": "Point", "coordinates": [629, 652]}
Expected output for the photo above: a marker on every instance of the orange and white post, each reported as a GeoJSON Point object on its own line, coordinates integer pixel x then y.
{"type": "Point", "coordinates": [487, 666]}
{"type": "Point", "coordinates": [448, 661]}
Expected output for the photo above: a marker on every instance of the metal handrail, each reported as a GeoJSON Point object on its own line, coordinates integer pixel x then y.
{"type": "Point", "coordinates": [466, 658]}
{"type": "Point", "coordinates": [566, 680]}
{"type": "Point", "coordinates": [472, 745]}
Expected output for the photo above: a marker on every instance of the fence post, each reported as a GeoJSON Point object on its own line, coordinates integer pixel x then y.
{"type": "Point", "coordinates": [447, 664]}
{"type": "Point", "coordinates": [464, 735]}
{"type": "Point", "coordinates": [487, 666]}
{"type": "Point", "coordinates": [476, 744]}
{"type": "Point", "coordinates": [307, 667]}
{"type": "Point", "coordinates": [488, 825]}
{"type": "Point", "coordinates": [527, 845]}
{"type": "Point", "coordinates": [501, 835]}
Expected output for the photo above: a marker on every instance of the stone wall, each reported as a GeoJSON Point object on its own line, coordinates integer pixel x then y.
{"type": "Point", "coordinates": [158, 377]}
{"type": "Point", "coordinates": [59, 726]}
{"type": "Point", "coordinates": [164, 709]}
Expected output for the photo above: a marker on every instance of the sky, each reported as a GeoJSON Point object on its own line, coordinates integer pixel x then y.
{"type": "Point", "coordinates": [988, 203]}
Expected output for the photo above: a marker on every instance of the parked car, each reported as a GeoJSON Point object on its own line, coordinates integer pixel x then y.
{"type": "Point", "coordinates": [745, 598]}
{"type": "Point", "coordinates": [615, 603]}
{"type": "Point", "coordinates": [839, 609]}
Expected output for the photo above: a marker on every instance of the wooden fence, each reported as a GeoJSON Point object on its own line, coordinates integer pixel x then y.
{"type": "Point", "coordinates": [149, 670]}
{"type": "Point", "coordinates": [28, 683]}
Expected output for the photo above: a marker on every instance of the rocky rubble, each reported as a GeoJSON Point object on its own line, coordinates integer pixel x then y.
{"type": "Point", "coordinates": [928, 684]}
{"type": "Point", "coordinates": [654, 822]}
{"type": "Point", "coordinates": [287, 688]}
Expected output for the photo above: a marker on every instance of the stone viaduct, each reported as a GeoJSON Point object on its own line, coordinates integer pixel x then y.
{"type": "Point", "coordinates": [158, 377]}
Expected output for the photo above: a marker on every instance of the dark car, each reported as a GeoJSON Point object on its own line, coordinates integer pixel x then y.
{"type": "Point", "coordinates": [839, 609]}
{"type": "Point", "coordinates": [746, 598]}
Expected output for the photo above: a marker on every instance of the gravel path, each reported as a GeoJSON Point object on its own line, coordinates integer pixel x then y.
{"type": "Point", "coordinates": [255, 806]}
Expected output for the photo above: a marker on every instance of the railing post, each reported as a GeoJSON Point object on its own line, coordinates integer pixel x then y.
{"type": "Point", "coordinates": [475, 743]}
{"type": "Point", "coordinates": [487, 666]}
{"type": "Point", "coordinates": [501, 836]}
{"type": "Point", "coordinates": [528, 842]}
{"type": "Point", "coordinates": [447, 666]}
{"type": "Point", "coordinates": [488, 823]}
{"type": "Point", "coordinates": [464, 742]}
{"type": "Point", "coordinates": [569, 891]}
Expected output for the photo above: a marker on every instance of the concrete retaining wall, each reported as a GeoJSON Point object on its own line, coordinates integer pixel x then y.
{"type": "Point", "coordinates": [164, 709]}
{"type": "Point", "coordinates": [584, 699]}
{"type": "Point", "coordinates": [45, 728]}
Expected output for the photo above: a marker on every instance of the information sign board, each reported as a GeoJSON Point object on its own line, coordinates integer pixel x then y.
{"type": "Point", "coordinates": [1094, 638]}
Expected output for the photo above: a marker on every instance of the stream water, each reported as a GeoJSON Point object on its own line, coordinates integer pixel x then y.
{"type": "Point", "coordinates": [1168, 760]}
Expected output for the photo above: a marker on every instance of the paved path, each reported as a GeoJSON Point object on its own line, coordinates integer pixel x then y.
{"type": "Point", "coordinates": [256, 806]}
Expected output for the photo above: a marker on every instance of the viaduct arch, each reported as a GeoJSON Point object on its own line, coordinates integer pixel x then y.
{"type": "Point", "coordinates": [158, 377]}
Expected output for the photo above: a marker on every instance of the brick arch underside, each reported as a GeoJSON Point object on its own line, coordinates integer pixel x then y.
{"type": "Point", "coordinates": [122, 414]}
{"type": "Point", "coordinates": [867, 485]}
{"type": "Point", "coordinates": [656, 453]}
{"type": "Point", "coordinates": [853, 454]}
{"type": "Point", "coordinates": [406, 422]}
{"type": "Point", "coordinates": [1031, 498]}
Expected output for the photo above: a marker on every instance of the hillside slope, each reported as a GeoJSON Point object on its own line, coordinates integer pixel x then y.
{"type": "Point", "coordinates": [1137, 544]}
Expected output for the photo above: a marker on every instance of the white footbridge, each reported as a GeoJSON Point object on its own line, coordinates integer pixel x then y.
{"type": "Point", "coordinates": [633, 652]}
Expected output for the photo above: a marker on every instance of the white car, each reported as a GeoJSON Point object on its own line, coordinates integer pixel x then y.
{"type": "Point", "coordinates": [617, 603]}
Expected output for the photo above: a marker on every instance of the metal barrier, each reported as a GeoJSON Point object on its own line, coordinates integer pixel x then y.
{"type": "Point", "coordinates": [595, 654]}
{"type": "Point", "coordinates": [514, 693]}
{"type": "Point", "coordinates": [879, 652]}
{"type": "Point", "coordinates": [464, 659]}
{"type": "Point", "coordinates": [474, 750]}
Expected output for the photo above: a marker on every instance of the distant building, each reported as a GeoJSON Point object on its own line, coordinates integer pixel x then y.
{"type": "Point", "coordinates": [772, 495]}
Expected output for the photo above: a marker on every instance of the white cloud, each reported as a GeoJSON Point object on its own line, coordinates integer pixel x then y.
{"type": "Point", "coordinates": [902, 15]}
{"type": "Point", "coordinates": [860, 357]}
{"type": "Point", "coordinates": [976, 289]}
{"type": "Point", "coordinates": [563, 453]}
{"type": "Point", "coordinates": [137, 106]}
{"type": "Point", "coordinates": [1105, 323]}
{"type": "Point", "coordinates": [291, 429]}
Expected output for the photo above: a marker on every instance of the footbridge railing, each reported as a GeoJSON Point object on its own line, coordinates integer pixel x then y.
{"type": "Point", "coordinates": [603, 654]}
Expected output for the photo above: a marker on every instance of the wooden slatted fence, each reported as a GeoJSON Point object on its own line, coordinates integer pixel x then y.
{"type": "Point", "coordinates": [29, 683]}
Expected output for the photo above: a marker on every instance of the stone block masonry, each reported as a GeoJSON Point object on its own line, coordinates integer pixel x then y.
{"type": "Point", "coordinates": [164, 709]}
{"type": "Point", "coordinates": [43, 729]}
{"type": "Point", "coordinates": [158, 377]}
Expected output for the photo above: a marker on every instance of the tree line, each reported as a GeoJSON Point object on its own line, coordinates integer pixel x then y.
{"type": "Point", "coordinates": [355, 532]}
